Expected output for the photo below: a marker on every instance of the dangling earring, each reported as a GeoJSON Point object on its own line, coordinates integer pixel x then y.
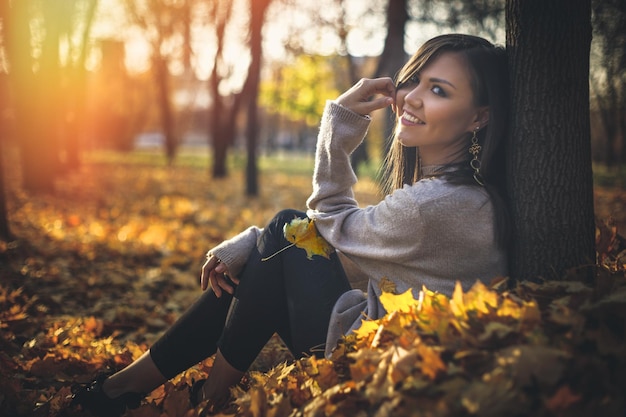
{"type": "Point", "coordinates": [475, 149]}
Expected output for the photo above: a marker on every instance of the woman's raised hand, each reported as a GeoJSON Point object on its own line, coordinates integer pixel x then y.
{"type": "Point", "coordinates": [368, 95]}
{"type": "Point", "coordinates": [214, 273]}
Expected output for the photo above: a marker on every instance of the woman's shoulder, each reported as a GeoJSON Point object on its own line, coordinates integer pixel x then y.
{"type": "Point", "coordinates": [439, 189]}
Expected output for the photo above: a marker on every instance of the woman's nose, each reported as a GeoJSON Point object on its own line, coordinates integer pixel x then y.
{"type": "Point", "coordinates": [414, 97]}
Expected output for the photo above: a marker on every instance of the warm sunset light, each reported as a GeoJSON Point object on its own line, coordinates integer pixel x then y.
{"type": "Point", "coordinates": [407, 208]}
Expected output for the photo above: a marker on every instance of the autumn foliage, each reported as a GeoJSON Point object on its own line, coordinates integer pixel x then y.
{"type": "Point", "coordinates": [100, 269]}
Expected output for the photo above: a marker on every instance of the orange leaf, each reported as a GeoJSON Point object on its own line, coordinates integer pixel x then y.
{"type": "Point", "coordinates": [432, 364]}
{"type": "Point", "coordinates": [562, 399]}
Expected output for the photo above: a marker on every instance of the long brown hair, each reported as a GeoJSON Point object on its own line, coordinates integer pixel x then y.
{"type": "Point", "coordinates": [489, 79]}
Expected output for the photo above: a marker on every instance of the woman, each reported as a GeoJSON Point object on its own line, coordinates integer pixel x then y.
{"type": "Point", "coordinates": [443, 220]}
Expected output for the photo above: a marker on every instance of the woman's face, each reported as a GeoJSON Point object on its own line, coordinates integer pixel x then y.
{"type": "Point", "coordinates": [436, 110]}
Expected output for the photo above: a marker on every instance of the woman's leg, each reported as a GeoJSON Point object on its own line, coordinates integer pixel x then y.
{"type": "Point", "coordinates": [193, 337]}
{"type": "Point", "coordinates": [187, 342]}
{"type": "Point", "coordinates": [141, 376]}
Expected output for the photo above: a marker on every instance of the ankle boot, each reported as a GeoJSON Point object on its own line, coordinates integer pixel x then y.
{"type": "Point", "coordinates": [92, 398]}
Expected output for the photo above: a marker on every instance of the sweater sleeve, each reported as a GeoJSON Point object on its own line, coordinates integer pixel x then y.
{"type": "Point", "coordinates": [341, 131]}
{"type": "Point", "coordinates": [234, 252]}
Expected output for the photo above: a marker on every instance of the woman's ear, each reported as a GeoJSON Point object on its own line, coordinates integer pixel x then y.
{"type": "Point", "coordinates": [482, 117]}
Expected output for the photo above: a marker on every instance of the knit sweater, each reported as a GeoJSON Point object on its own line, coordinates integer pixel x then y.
{"type": "Point", "coordinates": [431, 233]}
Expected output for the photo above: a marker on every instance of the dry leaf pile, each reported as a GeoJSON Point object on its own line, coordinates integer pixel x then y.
{"type": "Point", "coordinates": [539, 349]}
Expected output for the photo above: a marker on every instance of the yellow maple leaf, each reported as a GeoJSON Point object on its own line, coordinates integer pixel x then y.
{"type": "Point", "coordinates": [400, 302]}
{"type": "Point", "coordinates": [457, 302]}
{"type": "Point", "coordinates": [481, 299]}
{"type": "Point", "coordinates": [367, 328]}
{"type": "Point", "coordinates": [303, 234]}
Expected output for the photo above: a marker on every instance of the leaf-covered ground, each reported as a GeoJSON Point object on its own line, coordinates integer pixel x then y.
{"type": "Point", "coordinates": [102, 267]}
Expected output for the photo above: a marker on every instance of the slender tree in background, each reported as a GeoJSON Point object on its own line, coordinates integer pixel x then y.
{"type": "Point", "coordinates": [224, 109]}
{"type": "Point", "coordinates": [251, 91]}
{"type": "Point", "coordinates": [393, 55]}
{"type": "Point", "coordinates": [550, 177]}
{"type": "Point", "coordinates": [75, 84]}
{"type": "Point", "coordinates": [5, 232]}
{"type": "Point", "coordinates": [484, 17]}
{"type": "Point", "coordinates": [164, 24]}
{"type": "Point", "coordinates": [608, 81]}
{"type": "Point", "coordinates": [360, 154]}
{"type": "Point", "coordinates": [34, 90]}
{"type": "Point", "coordinates": [46, 86]}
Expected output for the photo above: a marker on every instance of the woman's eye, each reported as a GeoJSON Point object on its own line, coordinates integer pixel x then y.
{"type": "Point", "coordinates": [409, 82]}
{"type": "Point", "coordinates": [439, 91]}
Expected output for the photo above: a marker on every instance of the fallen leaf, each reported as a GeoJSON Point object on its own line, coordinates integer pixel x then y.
{"type": "Point", "coordinates": [304, 235]}
{"type": "Point", "coordinates": [398, 302]}
{"type": "Point", "coordinates": [562, 399]}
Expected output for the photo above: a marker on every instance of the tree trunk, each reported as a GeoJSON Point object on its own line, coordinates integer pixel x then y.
{"type": "Point", "coordinates": [35, 96]}
{"type": "Point", "coordinates": [165, 107]}
{"type": "Point", "coordinates": [257, 17]}
{"type": "Point", "coordinates": [5, 231]}
{"type": "Point", "coordinates": [222, 118]}
{"type": "Point", "coordinates": [550, 177]}
{"type": "Point", "coordinates": [393, 56]}
{"type": "Point", "coordinates": [76, 100]}
{"type": "Point", "coordinates": [220, 145]}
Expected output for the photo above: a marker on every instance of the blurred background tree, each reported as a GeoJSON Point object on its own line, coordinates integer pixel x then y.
{"type": "Point", "coordinates": [166, 25]}
{"type": "Point", "coordinates": [608, 82]}
{"type": "Point", "coordinates": [45, 46]}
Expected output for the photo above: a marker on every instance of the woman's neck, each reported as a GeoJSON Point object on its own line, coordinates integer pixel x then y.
{"type": "Point", "coordinates": [443, 155]}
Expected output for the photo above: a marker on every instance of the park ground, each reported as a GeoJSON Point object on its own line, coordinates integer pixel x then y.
{"type": "Point", "coordinates": [99, 269]}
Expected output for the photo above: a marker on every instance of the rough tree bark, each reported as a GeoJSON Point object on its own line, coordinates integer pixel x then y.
{"type": "Point", "coordinates": [550, 177]}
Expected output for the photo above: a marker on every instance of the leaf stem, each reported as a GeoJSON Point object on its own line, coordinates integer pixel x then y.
{"type": "Point", "coordinates": [276, 253]}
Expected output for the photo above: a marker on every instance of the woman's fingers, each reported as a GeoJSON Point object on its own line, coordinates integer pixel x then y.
{"type": "Point", "coordinates": [219, 283]}
{"type": "Point", "coordinates": [222, 270]}
{"type": "Point", "coordinates": [362, 97]}
{"type": "Point", "coordinates": [214, 274]}
{"type": "Point", "coordinates": [208, 266]}
{"type": "Point", "coordinates": [214, 284]}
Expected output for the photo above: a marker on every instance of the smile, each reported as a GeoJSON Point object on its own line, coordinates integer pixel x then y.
{"type": "Point", "coordinates": [412, 119]}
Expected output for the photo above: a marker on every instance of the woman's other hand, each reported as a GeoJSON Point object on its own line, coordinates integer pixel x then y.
{"type": "Point", "coordinates": [368, 95]}
{"type": "Point", "coordinates": [214, 273]}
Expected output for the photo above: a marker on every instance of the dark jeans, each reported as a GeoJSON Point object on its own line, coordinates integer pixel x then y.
{"type": "Point", "coordinates": [288, 294]}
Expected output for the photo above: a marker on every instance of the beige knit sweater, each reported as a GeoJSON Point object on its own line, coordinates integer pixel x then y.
{"type": "Point", "coordinates": [430, 234]}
